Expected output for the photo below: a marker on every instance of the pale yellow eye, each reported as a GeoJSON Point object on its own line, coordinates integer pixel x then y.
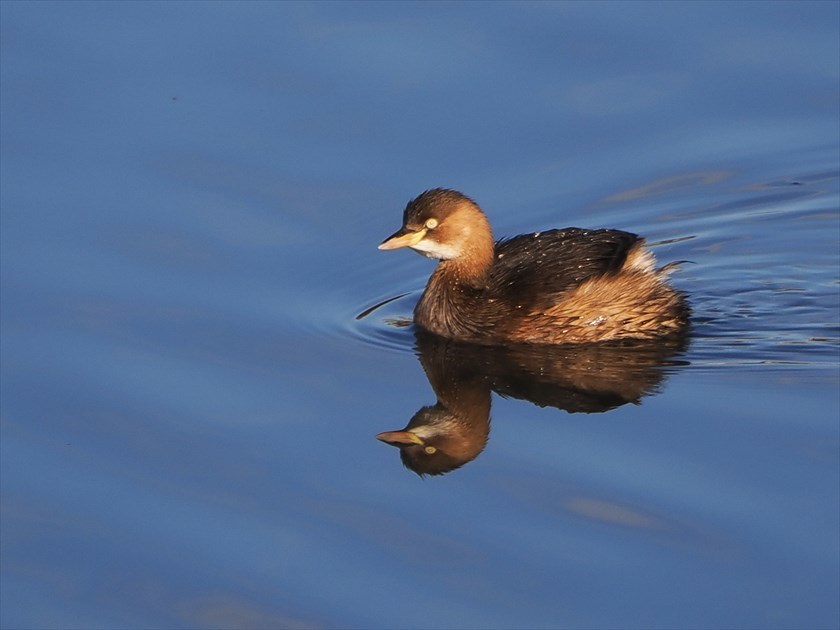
{"type": "Point", "coordinates": [432, 223]}
{"type": "Point", "coordinates": [430, 450]}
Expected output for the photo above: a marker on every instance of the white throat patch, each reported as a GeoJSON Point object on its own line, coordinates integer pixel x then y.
{"type": "Point", "coordinates": [433, 249]}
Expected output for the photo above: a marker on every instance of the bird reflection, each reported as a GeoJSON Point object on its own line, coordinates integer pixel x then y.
{"type": "Point", "coordinates": [591, 378]}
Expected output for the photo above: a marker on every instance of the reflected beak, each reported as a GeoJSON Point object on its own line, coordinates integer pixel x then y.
{"type": "Point", "coordinates": [403, 238]}
{"type": "Point", "coordinates": [400, 438]}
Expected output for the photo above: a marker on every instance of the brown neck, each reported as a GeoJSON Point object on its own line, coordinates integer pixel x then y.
{"type": "Point", "coordinates": [457, 273]}
{"type": "Point", "coordinates": [470, 269]}
{"type": "Point", "coordinates": [448, 300]}
{"type": "Point", "coordinates": [469, 234]}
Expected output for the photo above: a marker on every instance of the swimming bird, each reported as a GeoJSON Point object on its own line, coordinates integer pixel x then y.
{"type": "Point", "coordinates": [558, 286]}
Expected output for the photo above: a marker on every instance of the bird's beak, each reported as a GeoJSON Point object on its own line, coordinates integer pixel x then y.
{"type": "Point", "coordinates": [400, 438]}
{"type": "Point", "coordinates": [403, 238]}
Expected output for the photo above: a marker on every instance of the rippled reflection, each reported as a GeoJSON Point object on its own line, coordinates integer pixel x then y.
{"type": "Point", "coordinates": [591, 378]}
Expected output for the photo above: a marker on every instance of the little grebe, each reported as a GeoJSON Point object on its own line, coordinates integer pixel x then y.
{"type": "Point", "coordinates": [559, 286]}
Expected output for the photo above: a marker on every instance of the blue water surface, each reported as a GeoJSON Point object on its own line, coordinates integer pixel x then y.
{"type": "Point", "coordinates": [195, 362]}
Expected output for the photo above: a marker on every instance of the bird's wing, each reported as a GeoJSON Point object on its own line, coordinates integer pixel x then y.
{"type": "Point", "coordinates": [546, 264]}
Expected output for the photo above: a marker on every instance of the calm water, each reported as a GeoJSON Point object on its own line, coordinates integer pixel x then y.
{"type": "Point", "coordinates": [192, 195]}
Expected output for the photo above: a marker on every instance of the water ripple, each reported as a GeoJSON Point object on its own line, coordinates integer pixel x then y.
{"type": "Point", "coordinates": [763, 286]}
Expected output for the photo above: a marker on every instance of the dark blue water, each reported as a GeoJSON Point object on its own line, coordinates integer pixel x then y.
{"type": "Point", "coordinates": [192, 195]}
